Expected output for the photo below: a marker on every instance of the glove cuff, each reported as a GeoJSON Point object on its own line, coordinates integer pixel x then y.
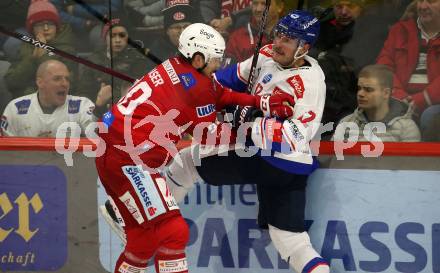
{"type": "Point", "coordinates": [264, 104]}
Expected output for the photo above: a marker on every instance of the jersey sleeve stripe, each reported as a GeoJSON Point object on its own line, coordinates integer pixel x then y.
{"type": "Point", "coordinates": [240, 77]}
{"type": "Point", "coordinates": [229, 77]}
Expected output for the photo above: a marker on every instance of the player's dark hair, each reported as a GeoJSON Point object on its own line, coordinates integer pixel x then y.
{"type": "Point", "coordinates": [189, 60]}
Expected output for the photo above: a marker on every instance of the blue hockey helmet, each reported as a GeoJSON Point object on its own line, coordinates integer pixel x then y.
{"type": "Point", "coordinates": [299, 24]}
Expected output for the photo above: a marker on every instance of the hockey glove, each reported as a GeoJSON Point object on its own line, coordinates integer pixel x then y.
{"type": "Point", "coordinates": [245, 114]}
{"type": "Point", "coordinates": [276, 105]}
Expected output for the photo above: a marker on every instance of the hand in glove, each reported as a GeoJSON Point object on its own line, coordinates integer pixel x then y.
{"type": "Point", "coordinates": [277, 105]}
{"type": "Point", "coordinates": [245, 114]}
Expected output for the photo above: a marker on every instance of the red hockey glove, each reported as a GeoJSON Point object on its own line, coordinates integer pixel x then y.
{"type": "Point", "coordinates": [276, 105]}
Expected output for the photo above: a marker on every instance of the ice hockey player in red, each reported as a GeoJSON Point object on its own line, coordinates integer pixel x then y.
{"type": "Point", "coordinates": [179, 96]}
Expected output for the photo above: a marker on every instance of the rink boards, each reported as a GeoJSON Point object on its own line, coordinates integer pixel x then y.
{"type": "Point", "coordinates": [365, 215]}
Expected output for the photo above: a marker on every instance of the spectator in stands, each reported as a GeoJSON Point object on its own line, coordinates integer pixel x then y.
{"type": "Point", "coordinates": [44, 23]}
{"type": "Point", "coordinates": [242, 41]}
{"type": "Point", "coordinates": [13, 15]}
{"type": "Point", "coordinates": [371, 30]}
{"type": "Point", "coordinates": [41, 113]}
{"type": "Point", "coordinates": [227, 20]}
{"type": "Point", "coordinates": [375, 104]}
{"type": "Point", "coordinates": [84, 24]}
{"type": "Point", "coordinates": [412, 51]}
{"type": "Point", "coordinates": [337, 26]}
{"type": "Point", "coordinates": [146, 13]}
{"type": "Point", "coordinates": [149, 13]}
{"type": "Point", "coordinates": [432, 132]}
{"type": "Point", "coordinates": [208, 9]}
{"type": "Point", "coordinates": [5, 95]}
{"type": "Point", "coordinates": [176, 18]}
{"type": "Point", "coordinates": [336, 31]}
{"type": "Point", "coordinates": [98, 86]}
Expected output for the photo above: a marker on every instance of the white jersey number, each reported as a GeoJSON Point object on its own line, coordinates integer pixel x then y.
{"type": "Point", "coordinates": [137, 94]}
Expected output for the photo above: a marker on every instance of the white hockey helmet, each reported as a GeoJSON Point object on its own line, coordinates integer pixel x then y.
{"type": "Point", "coordinates": [201, 38]}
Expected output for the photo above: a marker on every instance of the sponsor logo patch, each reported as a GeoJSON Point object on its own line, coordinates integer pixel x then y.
{"type": "Point", "coordinates": [166, 194]}
{"type": "Point", "coordinates": [294, 130]}
{"type": "Point", "coordinates": [267, 51]}
{"type": "Point", "coordinates": [146, 190]}
{"type": "Point", "coordinates": [207, 34]}
{"type": "Point", "coordinates": [297, 84]}
{"type": "Point", "coordinates": [187, 80]}
{"type": "Point", "coordinates": [267, 78]}
{"type": "Point", "coordinates": [173, 266]}
{"type": "Point", "coordinates": [126, 268]}
{"type": "Point", "coordinates": [179, 16]}
{"type": "Point", "coordinates": [171, 3]}
{"type": "Point", "coordinates": [129, 202]}
{"type": "Point", "coordinates": [73, 107]}
{"type": "Point", "coordinates": [23, 106]}
{"type": "Point", "coordinates": [206, 110]}
{"type": "Point", "coordinates": [171, 72]}
{"type": "Point", "coordinates": [108, 118]}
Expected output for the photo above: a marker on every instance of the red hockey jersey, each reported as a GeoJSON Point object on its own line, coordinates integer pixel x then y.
{"type": "Point", "coordinates": [172, 99]}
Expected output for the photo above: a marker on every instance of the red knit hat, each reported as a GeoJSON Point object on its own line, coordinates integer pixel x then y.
{"type": "Point", "coordinates": [41, 10]}
{"type": "Point", "coordinates": [110, 24]}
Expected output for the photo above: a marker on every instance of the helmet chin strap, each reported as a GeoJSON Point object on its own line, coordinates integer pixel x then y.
{"type": "Point", "coordinates": [296, 57]}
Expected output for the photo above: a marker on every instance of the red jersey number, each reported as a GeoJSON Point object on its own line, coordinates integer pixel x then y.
{"type": "Point", "coordinates": [307, 117]}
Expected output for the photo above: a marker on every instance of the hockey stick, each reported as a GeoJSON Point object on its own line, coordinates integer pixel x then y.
{"type": "Point", "coordinates": [144, 51]}
{"type": "Point", "coordinates": [66, 55]}
{"type": "Point", "coordinates": [257, 48]}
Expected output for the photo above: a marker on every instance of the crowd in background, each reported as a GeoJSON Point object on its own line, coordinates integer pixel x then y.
{"type": "Point", "coordinates": [381, 58]}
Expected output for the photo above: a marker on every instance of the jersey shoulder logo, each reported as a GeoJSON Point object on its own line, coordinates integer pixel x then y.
{"type": "Point", "coordinates": [267, 50]}
{"type": "Point", "coordinates": [23, 106]}
{"type": "Point", "coordinates": [108, 118]}
{"type": "Point", "coordinates": [187, 80]}
{"type": "Point", "coordinates": [298, 86]}
{"type": "Point", "coordinates": [74, 106]}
